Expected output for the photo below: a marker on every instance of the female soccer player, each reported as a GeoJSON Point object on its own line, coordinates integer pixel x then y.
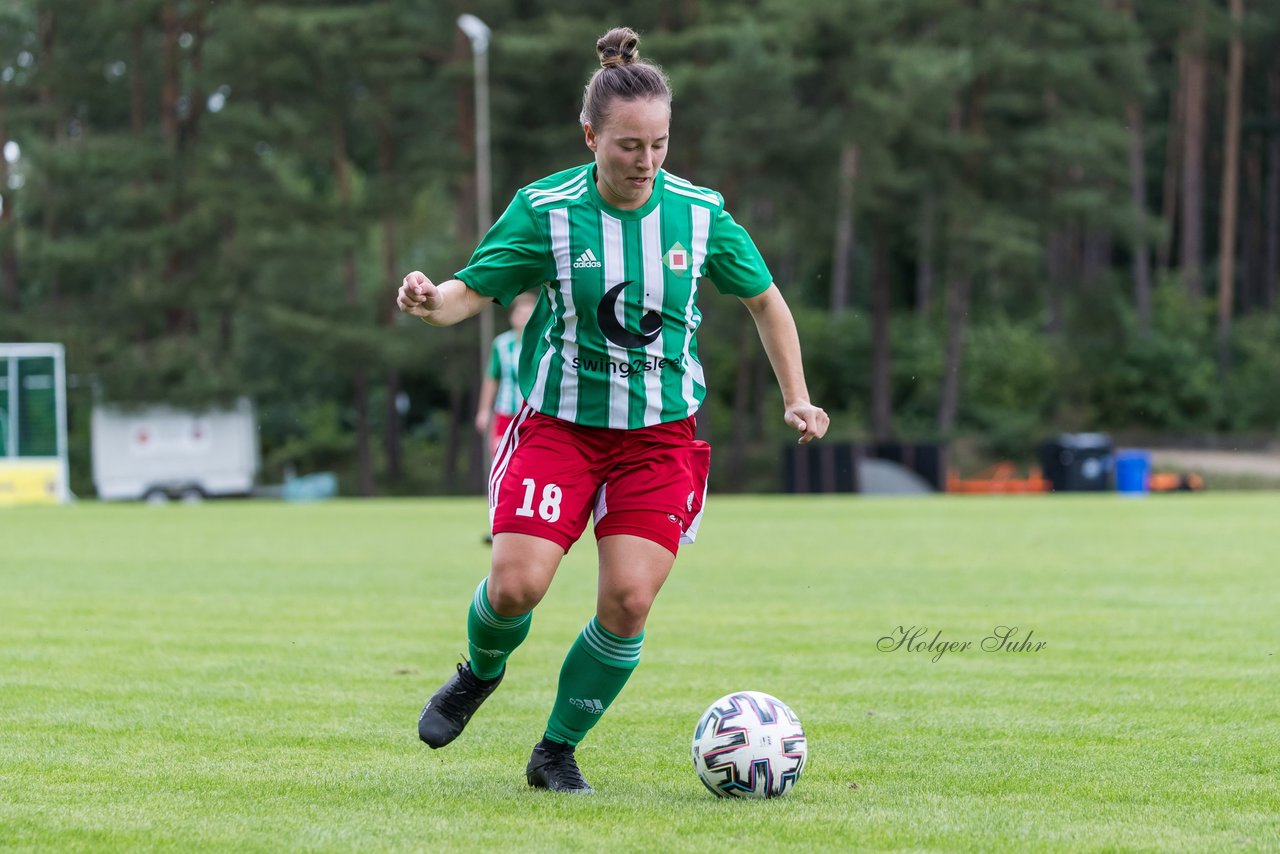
{"type": "Point", "coordinates": [616, 250]}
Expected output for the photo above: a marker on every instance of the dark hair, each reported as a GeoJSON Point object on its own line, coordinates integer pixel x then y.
{"type": "Point", "coordinates": [621, 75]}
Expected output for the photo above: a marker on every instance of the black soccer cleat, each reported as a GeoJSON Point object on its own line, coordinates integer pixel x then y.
{"type": "Point", "coordinates": [553, 767]}
{"type": "Point", "coordinates": [447, 712]}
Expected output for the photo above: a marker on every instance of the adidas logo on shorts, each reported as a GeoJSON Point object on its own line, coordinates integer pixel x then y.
{"type": "Point", "coordinates": [587, 259]}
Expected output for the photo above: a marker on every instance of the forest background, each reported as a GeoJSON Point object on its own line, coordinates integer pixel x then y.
{"type": "Point", "coordinates": [995, 220]}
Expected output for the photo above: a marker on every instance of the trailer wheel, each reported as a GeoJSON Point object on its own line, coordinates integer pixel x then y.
{"type": "Point", "coordinates": [191, 495]}
{"type": "Point", "coordinates": [156, 495]}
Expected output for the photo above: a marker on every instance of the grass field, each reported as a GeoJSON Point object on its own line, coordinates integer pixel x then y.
{"type": "Point", "coordinates": [247, 677]}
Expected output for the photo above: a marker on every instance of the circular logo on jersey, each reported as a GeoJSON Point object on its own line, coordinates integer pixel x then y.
{"type": "Point", "coordinates": [615, 331]}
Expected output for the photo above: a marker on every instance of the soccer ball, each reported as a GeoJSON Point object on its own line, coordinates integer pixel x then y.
{"type": "Point", "coordinates": [749, 745]}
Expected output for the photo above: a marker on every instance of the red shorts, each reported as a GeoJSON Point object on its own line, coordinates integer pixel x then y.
{"type": "Point", "coordinates": [497, 429]}
{"type": "Point", "coordinates": [549, 475]}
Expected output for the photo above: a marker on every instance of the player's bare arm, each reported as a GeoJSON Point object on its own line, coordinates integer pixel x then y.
{"type": "Point", "coordinates": [484, 409]}
{"type": "Point", "coordinates": [439, 305]}
{"type": "Point", "coordinates": [777, 330]}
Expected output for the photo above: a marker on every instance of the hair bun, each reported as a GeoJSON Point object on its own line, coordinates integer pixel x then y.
{"type": "Point", "coordinates": [619, 46]}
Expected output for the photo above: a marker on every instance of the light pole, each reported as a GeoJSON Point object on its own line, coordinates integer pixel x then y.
{"type": "Point", "coordinates": [478, 32]}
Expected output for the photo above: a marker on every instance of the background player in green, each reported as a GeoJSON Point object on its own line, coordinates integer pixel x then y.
{"type": "Point", "coordinates": [500, 397]}
{"type": "Point", "coordinates": [615, 250]}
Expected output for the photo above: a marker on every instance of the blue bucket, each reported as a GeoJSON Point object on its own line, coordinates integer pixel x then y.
{"type": "Point", "coordinates": [1133, 472]}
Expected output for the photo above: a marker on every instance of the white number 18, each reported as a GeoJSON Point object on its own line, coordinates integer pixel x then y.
{"type": "Point", "coordinates": [549, 509]}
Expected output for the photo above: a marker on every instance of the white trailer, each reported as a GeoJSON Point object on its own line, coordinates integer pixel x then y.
{"type": "Point", "coordinates": [160, 453]}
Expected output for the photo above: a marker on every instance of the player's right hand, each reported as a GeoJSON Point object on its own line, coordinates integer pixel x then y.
{"type": "Point", "coordinates": [418, 296]}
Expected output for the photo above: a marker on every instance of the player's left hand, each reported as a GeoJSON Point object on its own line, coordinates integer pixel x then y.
{"type": "Point", "coordinates": [811, 421]}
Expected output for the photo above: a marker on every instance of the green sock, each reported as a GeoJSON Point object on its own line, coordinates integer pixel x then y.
{"type": "Point", "coordinates": [490, 636]}
{"type": "Point", "coordinates": [597, 666]}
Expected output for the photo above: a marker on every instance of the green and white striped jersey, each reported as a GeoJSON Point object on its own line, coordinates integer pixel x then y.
{"type": "Point", "coordinates": [611, 342]}
{"type": "Point", "coordinates": [504, 365]}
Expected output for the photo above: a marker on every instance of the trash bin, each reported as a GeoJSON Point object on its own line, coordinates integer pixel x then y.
{"type": "Point", "coordinates": [820, 467]}
{"type": "Point", "coordinates": [1133, 472]}
{"type": "Point", "coordinates": [1077, 462]}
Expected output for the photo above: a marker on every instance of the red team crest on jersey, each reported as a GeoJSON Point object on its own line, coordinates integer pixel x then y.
{"type": "Point", "coordinates": [677, 259]}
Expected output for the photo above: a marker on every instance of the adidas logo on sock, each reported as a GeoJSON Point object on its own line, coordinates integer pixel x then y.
{"type": "Point", "coordinates": [595, 707]}
{"type": "Point", "coordinates": [587, 259]}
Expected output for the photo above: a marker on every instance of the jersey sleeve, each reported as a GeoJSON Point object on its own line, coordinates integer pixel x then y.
{"type": "Point", "coordinates": [512, 258]}
{"type": "Point", "coordinates": [733, 263]}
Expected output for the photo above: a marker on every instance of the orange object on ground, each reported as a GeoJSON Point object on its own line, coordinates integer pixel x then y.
{"type": "Point", "coordinates": [1000, 479]}
{"type": "Point", "coordinates": [1169, 481]}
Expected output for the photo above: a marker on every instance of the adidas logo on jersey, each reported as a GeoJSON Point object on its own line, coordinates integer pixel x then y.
{"type": "Point", "coordinates": [587, 259]}
{"type": "Point", "coordinates": [595, 707]}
